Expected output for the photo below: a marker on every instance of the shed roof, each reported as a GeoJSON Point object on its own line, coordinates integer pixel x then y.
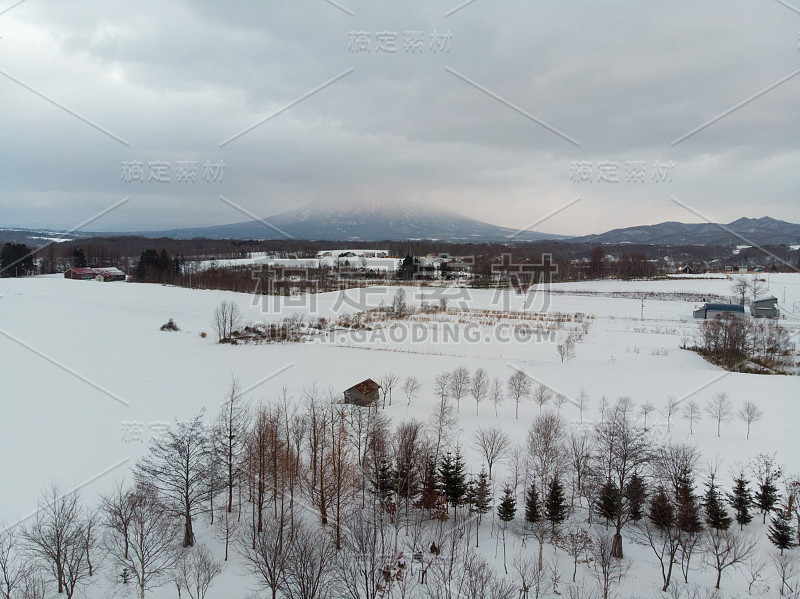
{"type": "Point", "coordinates": [365, 387]}
{"type": "Point", "coordinates": [724, 307]}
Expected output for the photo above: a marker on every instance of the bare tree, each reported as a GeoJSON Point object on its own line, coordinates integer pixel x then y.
{"type": "Point", "coordinates": [359, 571]}
{"type": "Point", "coordinates": [310, 568]}
{"type": "Point", "coordinates": [757, 287]}
{"type": "Point", "coordinates": [225, 528]}
{"type": "Point", "coordinates": [566, 349]}
{"type": "Point", "coordinates": [58, 538]}
{"type": "Point", "coordinates": [147, 549]}
{"type": "Point", "coordinates": [479, 387]}
{"type": "Point", "coordinates": [196, 570]}
{"type": "Point", "coordinates": [530, 576]}
{"type": "Point", "coordinates": [229, 439]}
{"type": "Point", "coordinates": [18, 577]}
{"type": "Point", "coordinates": [719, 408]}
{"type": "Point", "coordinates": [267, 557]}
{"type": "Point", "coordinates": [608, 569]}
{"type": "Point", "coordinates": [493, 443]}
{"type": "Point", "coordinates": [786, 568]}
{"type": "Point", "coordinates": [559, 400]}
{"type": "Point", "coordinates": [459, 385]}
{"type": "Point", "coordinates": [749, 414]}
{"type": "Point", "coordinates": [411, 388]}
{"type": "Point", "coordinates": [496, 394]}
{"type": "Point", "coordinates": [580, 455]}
{"type": "Point", "coordinates": [726, 548]}
{"type": "Point", "coordinates": [645, 409]}
{"type": "Point", "coordinates": [740, 287]}
{"type": "Point", "coordinates": [692, 413]}
{"type": "Point", "coordinates": [519, 386]}
{"type": "Point", "coordinates": [176, 466]}
{"type": "Point", "coordinates": [576, 542]}
{"type": "Point", "coordinates": [443, 420]}
{"type": "Point", "coordinates": [117, 510]}
{"type": "Point", "coordinates": [388, 382]}
{"type": "Point", "coordinates": [670, 409]}
{"type": "Point", "coordinates": [541, 395]}
{"type": "Point", "coordinates": [227, 319]}
{"type": "Point", "coordinates": [583, 402]}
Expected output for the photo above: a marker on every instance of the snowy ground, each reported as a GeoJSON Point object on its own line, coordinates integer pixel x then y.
{"type": "Point", "coordinates": [86, 375]}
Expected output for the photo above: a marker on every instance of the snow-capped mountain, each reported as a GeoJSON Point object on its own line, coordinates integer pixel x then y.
{"type": "Point", "coordinates": [373, 220]}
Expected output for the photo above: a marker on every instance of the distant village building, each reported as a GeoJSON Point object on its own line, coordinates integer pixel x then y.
{"type": "Point", "coordinates": [710, 310]}
{"type": "Point", "coordinates": [766, 307]}
{"type": "Point", "coordinates": [105, 274]}
{"type": "Point", "coordinates": [364, 394]}
{"type": "Point", "coordinates": [353, 253]}
{"type": "Point", "coordinates": [688, 269]}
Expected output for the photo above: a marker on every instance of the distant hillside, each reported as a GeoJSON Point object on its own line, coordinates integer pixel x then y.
{"type": "Point", "coordinates": [757, 231]}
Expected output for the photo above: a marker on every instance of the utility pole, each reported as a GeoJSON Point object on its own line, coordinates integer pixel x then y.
{"type": "Point", "coordinates": [641, 318]}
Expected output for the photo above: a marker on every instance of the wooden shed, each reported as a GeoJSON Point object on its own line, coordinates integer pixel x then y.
{"type": "Point", "coordinates": [366, 393]}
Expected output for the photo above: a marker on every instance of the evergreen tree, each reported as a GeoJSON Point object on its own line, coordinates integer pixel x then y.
{"type": "Point", "coordinates": [79, 258]}
{"type": "Point", "coordinates": [716, 515]}
{"type": "Point", "coordinates": [607, 503]}
{"type": "Point", "coordinates": [407, 268]}
{"type": "Point", "coordinates": [766, 496]}
{"type": "Point", "coordinates": [16, 260]}
{"type": "Point", "coordinates": [687, 515]}
{"type": "Point", "coordinates": [452, 479]}
{"type": "Point", "coordinates": [780, 531]}
{"type": "Point", "coordinates": [507, 508]}
{"type": "Point", "coordinates": [481, 494]}
{"type": "Point", "coordinates": [636, 494]}
{"type": "Point", "coordinates": [661, 514]}
{"type": "Point", "coordinates": [533, 511]}
{"type": "Point", "coordinates": [385, 479]}
{"type": "Point", "coordinates": [555, 506]}
{"type": "Point", "coordinates": [740, 500]}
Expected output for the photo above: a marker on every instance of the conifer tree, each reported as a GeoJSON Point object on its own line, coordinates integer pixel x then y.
{"type": "Point", "coordinates": [533, 511]}
{"type": "Point", "coordinates": [687, 515]}
{"type": "Point", "coordinates": [661, 513]}
{"type": "Point", "coordinates": [384, 482]}
{"type": "Point", "coordinates": [607, 503]}
{"type": "Point", "coordinates": [555, 506]}
{"type": "Point", "coordinates": [480, 498]}
{"type": "Point", "coordinates": [507, 508]}
{"type": "Point", "coordinates": [741, 499]}
{"type": "Point", "coordinates": [716, 515]}
{"type": "Point", "coordinates": [506, 511]}
{"type": "Point", "coordinates": [452, 478]}
{"type": "Point", "coordinates": [780, 531]}
{"type": "Point", "coordinates": [766, 496]}
{"type": "Point", "coordinates": [636, 494]}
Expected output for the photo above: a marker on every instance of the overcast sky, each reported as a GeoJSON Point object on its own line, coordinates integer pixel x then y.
{"type": "Point", "coordinates": [501, 113]}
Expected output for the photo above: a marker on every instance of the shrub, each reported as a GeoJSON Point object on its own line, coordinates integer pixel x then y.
{"type": "Point", "coordinates": [170, 326]}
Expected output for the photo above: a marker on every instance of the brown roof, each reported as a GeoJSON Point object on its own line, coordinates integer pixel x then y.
{"type": "Point", "coordinates": [366, 387]}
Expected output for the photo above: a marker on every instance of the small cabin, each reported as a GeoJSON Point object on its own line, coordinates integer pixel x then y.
{"type": "Point", "coordinates": [714, 310]}
{"type": "Point", "coordinates": [364, 394]}
{"type": "Point", "coordinates": [766, 307]}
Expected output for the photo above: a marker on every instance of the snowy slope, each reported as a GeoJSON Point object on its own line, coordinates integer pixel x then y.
{"type": "Point", "coordinates": [84, 365]}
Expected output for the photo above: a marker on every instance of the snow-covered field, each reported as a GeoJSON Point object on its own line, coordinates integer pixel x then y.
{"type": "Point", "coordinates": [87, 375]}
